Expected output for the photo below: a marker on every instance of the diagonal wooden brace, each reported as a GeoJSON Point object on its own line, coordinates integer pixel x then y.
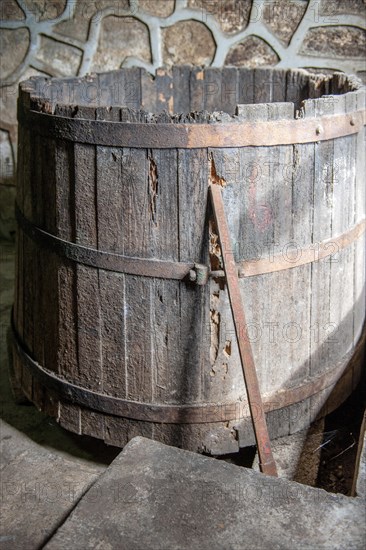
{"type": "Point", "coordinates": [266, 461]}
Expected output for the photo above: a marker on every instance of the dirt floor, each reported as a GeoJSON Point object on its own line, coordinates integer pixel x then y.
{"type": "Point", "coordinates": [339, 445]}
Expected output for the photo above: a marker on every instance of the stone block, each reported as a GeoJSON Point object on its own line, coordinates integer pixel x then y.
{"type": "Point", "coordinates": [159, 497]}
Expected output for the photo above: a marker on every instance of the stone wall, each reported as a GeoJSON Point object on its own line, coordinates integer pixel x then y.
{"type": "Point", "coordinates": [74, 37]}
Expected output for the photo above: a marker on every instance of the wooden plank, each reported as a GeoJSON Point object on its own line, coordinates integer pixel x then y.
{"type": "Point", "coordinates": [87, 278]}
{"type": "Point", "coordinates": [109, 199]}
{"type": "Point", "coordinates": [148, 92]}
{"type": "Point", "coordinates": [50, 403]}
{"type": "Point", "coordinates": [295, 333]}
{"type": "Point", "coordinates": [279, 85]}
{"type": "Point", "coordinates": [15, 370]}
{"type": "Point", "coordinates": [342, 292]}
{"type": "Point", "coordinates": [197, 89]}
{"type": "Point", "coordinates": [229, 89]}
{"type": "Point", "coordinates": [137, 212]}
{"type": "Point", "coordinates": [39, 395]}
{"type": "Point", "coordinates": [18, 299]}
{"type": "Point", "coordinates": [23, 141]}
{"type": "Point", "coordinates": [194, 337]}
{"type": "Point", "coordinates": [246, 86]}
{"type": "Point", "coordinates": [167, 360]}
{"type": "Point", "coordinates": [164, 91]}
{"type": "Point", "coordinates": [320, 270]}
{"type": "Point", "coordinates": [316, 88]}
{"type": "Point", "coordinates": [92, 423]}
{"type": "Point", "coordinates": [263, 85]}
{"type": "Point", "coordinates": [44, 216]}
{"type": "Point", "coordinates": [119, 431]}
{"type": "Point", "coordinates": [164, 294]}
{"type": "Point", "coordinates": [138, 339]}
{"type": "Point", "coordinates": [45, 319]}
{"type": "Point", "coordinates": [112, 89]}
{"type": "Point", "coordinates": [70, 417]}
{"type": "Point", "coordinates": [163, 200]}
{"type": "Point", "coordinates": [296, 87]}
{"type": "Point", "coordinates": [28, 292]}
{"type": "Point", "coordinates": [181, 91]}
{"type": "Point", "coordinates": [46, 343]}
{"type": "Point", "coordinates": [360, 214]}
{"type": "Point", "coordinates": [298, 174]}
{"type": "Point", "coordinates": [256, 241]}
{"type": "Point", "coordinates": [132, 87]}
{"type": "Point", "coordinates": [112, 333]}
{"type": "Point", "coordinates": [342, 263]}
{"type": "Point", "coordinates": [299, 416]}
{"type": "Point", "coordinates": [265, 225]}
{"type": "Point", "coordinates": [223, 375]}
{"type": "Point", "coordinates": [278, 422]}
{"type": "Point", "coordinates": [113, 308]}
{"type": "Point", "coordinates": [67, 348]}
{"type": "Point", "coordinates": [115, 170]}
{"type": "Point", "coordinates": [32, 210]}
{"type": "Point", "coordinates": [85, 198]}
{"type": "Point", "coordinates": [212, 89]}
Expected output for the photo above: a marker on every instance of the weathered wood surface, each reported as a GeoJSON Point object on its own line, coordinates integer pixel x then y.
{"type": "Point", "coordinates": [170, 342]}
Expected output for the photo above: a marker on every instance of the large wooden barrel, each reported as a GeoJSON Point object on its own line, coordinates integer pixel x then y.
{"type": "Point", "coordinates": [112, 335]}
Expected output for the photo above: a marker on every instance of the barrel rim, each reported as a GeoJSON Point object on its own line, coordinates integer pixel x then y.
{"type": "Point", "coordinates": [194, 136]}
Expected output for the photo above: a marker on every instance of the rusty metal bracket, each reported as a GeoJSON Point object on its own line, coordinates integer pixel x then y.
{"type": "Point", "coordinates": [267, 463]}
{"type": "Point", "coordinates": [199, 274]}
{"type": "Point", "coordinates": [109, 261]}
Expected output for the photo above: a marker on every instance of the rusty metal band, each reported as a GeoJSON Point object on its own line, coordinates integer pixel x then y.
{"type": "Point", "coordinates": [178, 414]}
{"type": "Point", "coordinates": [100, 259]}
{"type": "Point", "coordinates": [306, 255]}
{"type": "Point", "coordinates": [180, 270]}
{"type": "Point", "coordinates": [192, 136]}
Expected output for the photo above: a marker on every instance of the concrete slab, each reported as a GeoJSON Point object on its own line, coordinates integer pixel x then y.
{"type": "Point", "coordinates": [38, 489]}
{"type": "Point", "coordinates": [159, 497]}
